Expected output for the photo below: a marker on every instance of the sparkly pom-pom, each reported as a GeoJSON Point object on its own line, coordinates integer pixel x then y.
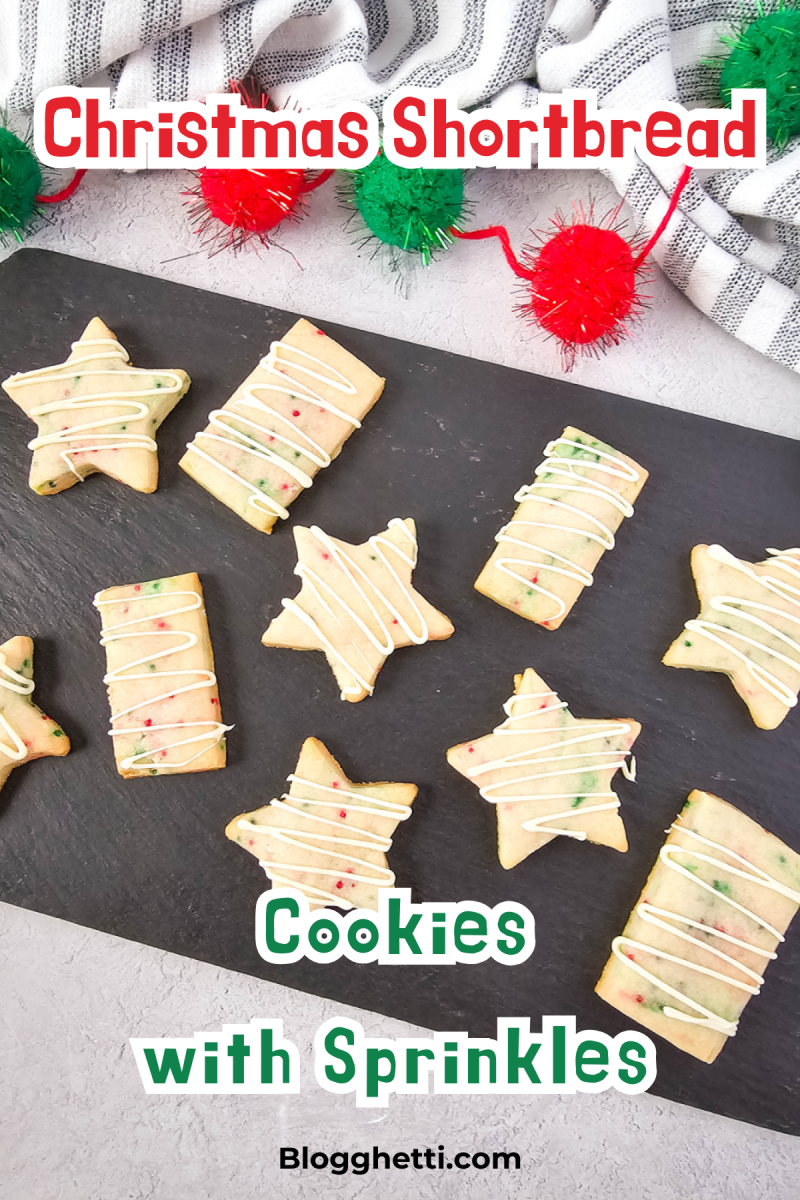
{"type": "Point", "coordinates": [581, 282]}
{"type": "Point", "coordinates": [231, 207]}
{"type": "Point", "coordinates": [411, 209]}
{"type": "Point", "coordinates": [20, 184]}
{"type": "Point", "coordinates": [765, 53]}
{"type": "Point", "coordinates": [581, 286]}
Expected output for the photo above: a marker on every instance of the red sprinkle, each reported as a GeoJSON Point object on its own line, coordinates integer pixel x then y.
{"type": "Point", "coordinates": [162, 624]}
{"type": "Point", "coordinates": [335, 783]}
{"type": "Point", "coordinates": [343, 814]}
{"type": "Point", "coordinates": [251, 842]}
{"type": "Point", "coordinates": [295, 412]}
{"type": "Point", "coordinates": [639, 999]}
{"type": "Point", "coordinates": [340, 884]}
{"type": "Point", "coordinates": [326, 557]}
{"type": "Point", "coordinates": [321, 332]}
{"type": "Point", "coordinates": [629, 955]}
{"type": "Point", "coordinates": [137, 587]}
{"type": "Point", "coordinates": [214, 700]}
{"type": "Point", "coordinates": [149, 721]}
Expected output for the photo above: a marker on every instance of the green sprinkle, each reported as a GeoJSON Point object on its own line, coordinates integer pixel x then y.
{"type": "Point", "coordinates": [297, 453]}
{"type": "Point", "coordinates": [58, 733]}
{"type": "Point", "coordinates": [152, 666]}
{"type": "Point", "coordinates": [578, 800]}
{"type": "Point", "coordinates": [720, 886]}
{"type": "Point", "coordinates": [686, 642]}
{"type": "Point", "coordinates": [530, 591]}
{"type": "Point", "coordinates": [781, 857]}
{"type": "Point", "coordinates": [26, 662]}
{"type": "Point", "coordinates": [159, 383]}
{"type": "Point", "coordinates": [123, 426]}
{"type": "Point", "coordinates": [261, 483]}
{"type": "Point", "coordinates": [154, 772]}
{"type": "Point", "coordinates": [690, 867]}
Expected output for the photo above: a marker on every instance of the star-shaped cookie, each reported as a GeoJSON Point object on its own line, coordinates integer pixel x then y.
{"type": "Point", "coordinates": [357, 604]}
{"type": "Point", "coordinates": [748, 628]}
{"type": "Point", "coordinates": [95, 412]}
{"type": "Point", "coordinates": [25, 732]}
{"type": "Point", "coordinates": [548, 773]}
{"type": "Point", "coordinates": [327, 836]}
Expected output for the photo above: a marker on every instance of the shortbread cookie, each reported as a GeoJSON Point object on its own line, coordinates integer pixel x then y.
{"type": "Point", "coordinates": [748, 628]}
{"type": "Point", "coordinates": [712, 914]}
{"type": "Point", "coordinates": [548, 773]}
{"type": "Point", "coordinates": [95, 412]}
{"type": "Point", "coordinates": [25, 732]}
{"type": "Point", "coordinates": [291, 416]}
{"type": "Point", "coordinates": [165, 715]}
{"type": "Point", "coordinates": [326, 836]}
{"type": "Point", "coordinates": [566, 519]}
{"type": "Point", "coordinates": [357, 604]}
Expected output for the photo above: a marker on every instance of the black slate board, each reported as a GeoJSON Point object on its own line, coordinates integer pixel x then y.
{"type": "Point", "coordinates": [449, 442]}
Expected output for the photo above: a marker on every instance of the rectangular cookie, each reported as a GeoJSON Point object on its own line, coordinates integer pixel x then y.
{"type": "Point", "coordinates": [289, 417]}
{"type": "Point", "coordinates": [165, 713]}
{"type": "Point", "coordinates": [564, 522]}
{"type": "Point", "coordinates": [709, 920]}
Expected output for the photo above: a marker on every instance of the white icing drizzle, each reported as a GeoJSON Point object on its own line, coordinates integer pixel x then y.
{"type": "Point", "coordinates": [375, 630]}
{"type": "Point", "coordinates": [228, 435]}
{"type": "Point", "coordinates": [734, 606]}
{"type": "Point", "coordinates": [536, 756]}
{"type": "Point", "coordinates": [207, 679]}
{"type": "Point", "coordinates": [86, 435]}
{"type": "Point", "coordinates": [12, 681]}
{"type": "Point", "coordinates": [653, 916]}
{"type": "Point", "coordinates": [577, 481]}
{"type": "Point", "coordinates": [359, 804]}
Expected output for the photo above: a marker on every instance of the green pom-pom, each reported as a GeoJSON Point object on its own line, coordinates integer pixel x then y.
{"type": "Point", "coordinates": [20, 184]}
{"type": "Point", "coordinates": [408, 208]}
{"type": "Point", "coordinates": [766, 54]}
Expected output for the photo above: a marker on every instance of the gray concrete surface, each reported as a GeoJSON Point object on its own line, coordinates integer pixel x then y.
{"type": "Point", "coordinates": [74, 1122]}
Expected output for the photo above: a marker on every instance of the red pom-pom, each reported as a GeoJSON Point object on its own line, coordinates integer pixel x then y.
{"type": "Point", "coordinates": [231, 206]}
{"type": "Point", "coordinates": [252, 201]}
{"type": "Point", "coordinates": [583, 286]}
{"type": "Point", "coordinates": [580, 284]}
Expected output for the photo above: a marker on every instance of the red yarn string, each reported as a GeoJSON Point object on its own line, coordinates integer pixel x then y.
{"type": "Point", "coordinates": [662, 225]}
{"type": "Point", "coordinates": [66, 192]}
{"type": "Point", "coordinates": [310, 184]}
{"type": "Point", "coordinates": [499, 231]}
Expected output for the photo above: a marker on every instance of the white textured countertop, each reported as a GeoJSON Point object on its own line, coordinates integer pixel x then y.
{"type": "Point", "coordinates": [74, 1122]}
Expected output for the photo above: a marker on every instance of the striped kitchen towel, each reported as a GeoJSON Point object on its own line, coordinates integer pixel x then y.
{"type": "Point", "coordinates": [733, 247]}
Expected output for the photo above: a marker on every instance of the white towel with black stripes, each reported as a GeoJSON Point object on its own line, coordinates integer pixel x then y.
{"type": "Point", "coordinates": [733, 248]}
